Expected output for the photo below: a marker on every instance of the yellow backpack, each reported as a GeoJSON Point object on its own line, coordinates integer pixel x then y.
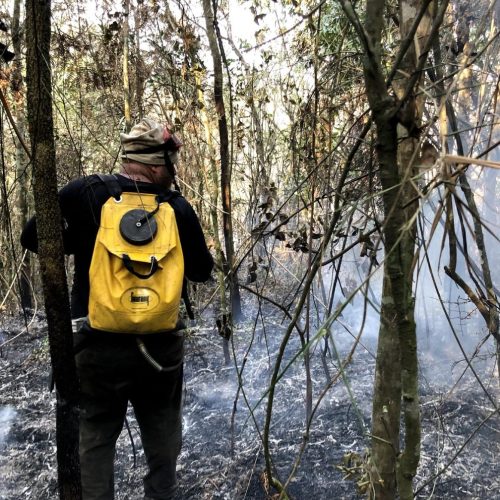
{"type": "Point", "coordinates": [137, 269]}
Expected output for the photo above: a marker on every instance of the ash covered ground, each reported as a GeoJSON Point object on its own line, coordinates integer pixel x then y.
{"type": "Point", "coordinates": [222, 455]}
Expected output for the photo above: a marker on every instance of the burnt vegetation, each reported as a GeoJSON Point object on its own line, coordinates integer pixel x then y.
{"type": "Point", "coordinates": [344, 164]}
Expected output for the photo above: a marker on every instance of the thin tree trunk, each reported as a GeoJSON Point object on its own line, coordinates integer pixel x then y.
{"type": "Point", "coordinates": [17, 87]}
{"type": "Point", "coordinates": [210, 177]}
{"type": "Point", "coordinates": [387, 388]}
{"type": "Point", "coordinates": [396, 371]}
{"type": "Point", "coordinates": [408, 150]}
{"type": "Point", "coordinates": [224, 160]}
{"type": "Point", "coordinates": [140, 69]}
{"type": "Point", "coordinates": [212, 183]}
{"type": "Point", "coordinates": [50, 244]}
{"type": "Point", "coordinates": [126, 83]}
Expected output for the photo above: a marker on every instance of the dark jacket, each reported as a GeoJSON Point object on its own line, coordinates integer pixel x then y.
{"type": "Point", "coordinates": [81, 201]}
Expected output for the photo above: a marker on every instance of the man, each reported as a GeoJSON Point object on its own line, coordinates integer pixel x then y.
{"type": "Point", "coordinates": [112, 367]}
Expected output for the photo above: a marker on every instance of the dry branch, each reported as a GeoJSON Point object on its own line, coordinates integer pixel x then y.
{"type": "Point", "coordinates": [467, 160]}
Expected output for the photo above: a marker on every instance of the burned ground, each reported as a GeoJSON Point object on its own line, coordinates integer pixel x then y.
{"type": "Point", "coordinates": [222, 456]}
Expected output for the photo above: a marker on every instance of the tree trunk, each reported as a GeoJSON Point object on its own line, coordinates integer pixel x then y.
{"type": "Point", "coordinates": [17, 87]}
{"type": "Point", "coordinates": [386, 412]}
{"type": "Point", "coordinates": [212, 184]}
{"type": "Point", "coordinates": [387, 390]}
{"type": "Point", "coordinates": [50, 245]}
{"type": "Point", "coordinates": [126, 83]}
{"type": "Point", "coordinates": [397, 120]}
{"type": "Point", "coordinates": [408, 149]}
{"type": "Point", "coordinates": [224, 160]}
{"type": "Point", "coordinates": [140, 69]}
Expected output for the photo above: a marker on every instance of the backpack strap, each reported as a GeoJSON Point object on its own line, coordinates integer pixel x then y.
{"type": "Point", "coordinates": [112, 185]}
{"type": "Point", "coordinates": [168, 196]}
{"type": "Point", "coordinates": [187, 300]}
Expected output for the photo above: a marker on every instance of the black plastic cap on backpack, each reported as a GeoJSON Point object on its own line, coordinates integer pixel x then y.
{"type": "Point", "coordinates": [137, 228]}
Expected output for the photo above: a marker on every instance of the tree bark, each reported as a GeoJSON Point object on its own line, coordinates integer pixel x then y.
{"type": "Point", "coordinates": [397, 119]}
{"type": "Point", "coordinates": [387, 390]}
{"type": "Point", "coordinates": [212, 184]}
{"type": "Point", "coordinates": [50, 244]}
{"type": "Point", "coordinates": [140, 70]}
{"type": "Point", "coordinates": [17, 87]}
{"type": "Point", "coordinates": [225, 179]}
{"type": "Point", "coordinates": [126, 82]}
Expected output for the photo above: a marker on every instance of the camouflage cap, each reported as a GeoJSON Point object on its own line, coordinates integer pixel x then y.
{"type": "Point", "coordinates": [148, 134]}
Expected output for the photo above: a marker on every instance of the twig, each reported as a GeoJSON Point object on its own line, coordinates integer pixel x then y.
{"type": "Point", "coordinates": [129, 431]}
{"type": "Point", "coordinates": [466, 442]}
{"type": "Point", "coordinates": [448, 319]}
{"type": "Point", "coordinates": [252, 471]}
{"type": "Point", "coordinates": [5, 104]}
{"type": "Point", "coordinates": [466, 160]}
{"type": "Point", "coordinates": [11, 286]}
{"type": "Point", "coordinates": [283, 33]}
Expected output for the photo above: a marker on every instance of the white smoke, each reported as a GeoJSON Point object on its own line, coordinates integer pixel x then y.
{"type": "Point", "coordinates": [7, 415]}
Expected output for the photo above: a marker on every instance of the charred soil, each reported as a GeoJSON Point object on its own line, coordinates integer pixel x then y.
{"type": "Point", "coordinates": [222, 455]}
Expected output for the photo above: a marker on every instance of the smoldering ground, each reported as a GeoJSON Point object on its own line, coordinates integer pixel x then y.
{"type": "Point", "coordinates": [222, 455]}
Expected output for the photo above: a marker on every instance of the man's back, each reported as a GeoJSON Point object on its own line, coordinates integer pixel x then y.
{"type": "Point", "coordinates": [81, 201]}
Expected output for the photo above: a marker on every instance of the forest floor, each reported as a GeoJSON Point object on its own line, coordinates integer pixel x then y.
{"type": "Point", "coordinates": [222, 454]}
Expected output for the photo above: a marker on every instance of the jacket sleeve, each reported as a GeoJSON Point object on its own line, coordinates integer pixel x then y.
{"type": "Point", "coordinates": [29, 238]}
{"type": "Point", "coordinates": [198, 262]}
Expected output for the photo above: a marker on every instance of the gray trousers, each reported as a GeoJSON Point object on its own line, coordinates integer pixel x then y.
{"type": "Point", "coordinates": [112, 372]}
